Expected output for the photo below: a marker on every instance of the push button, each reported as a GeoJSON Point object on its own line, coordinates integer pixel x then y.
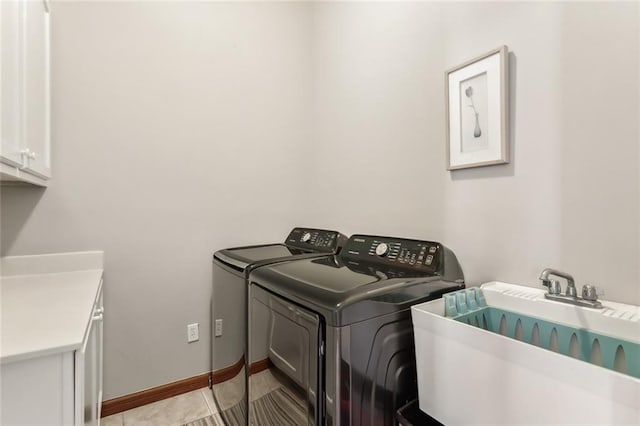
{"type": "Point", "coordinates": [429, 260]}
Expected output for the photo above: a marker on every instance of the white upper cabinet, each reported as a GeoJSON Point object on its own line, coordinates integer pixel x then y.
{"type": "Point", "coordinates": [36, 86]}
{"type": "Point", "coordinates": [10, 122]}
{"type": "Point", "coordinates": [25, 91]}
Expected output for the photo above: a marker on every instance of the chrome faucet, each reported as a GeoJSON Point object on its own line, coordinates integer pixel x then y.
{"type": "Point", "coordinates": [571, 285]}
{"type": "Point", "coordinates": [589, 297]}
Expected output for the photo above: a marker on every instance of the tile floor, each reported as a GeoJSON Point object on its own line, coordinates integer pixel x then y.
{"type": "Point", "coordinates": [174, 411]}
{"type": "Point", "coordinates": [195, 405]}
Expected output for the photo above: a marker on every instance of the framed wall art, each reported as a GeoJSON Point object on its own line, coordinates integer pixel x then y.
{"type": "Point", "coordinates": [477, 109]}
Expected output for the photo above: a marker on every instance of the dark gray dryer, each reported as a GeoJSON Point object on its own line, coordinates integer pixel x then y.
{"type": "Point", "coordinates": [231, 267]}
{"type": "Point", "coordinates": [335, 332]}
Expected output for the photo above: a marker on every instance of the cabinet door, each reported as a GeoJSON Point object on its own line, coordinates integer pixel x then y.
{"type": "Point", "coordinates": [86, 380]}
{"type": "Point", "coordinates": [99, 368]}
{"type": "Point", "coordinates": [89, 371]}
{"type": "Point", "coordinates": [11, 84]}
{"type": "Point", "coordinates": [36, 87]}
{"type": "Point", "coordinates": [37, 391]}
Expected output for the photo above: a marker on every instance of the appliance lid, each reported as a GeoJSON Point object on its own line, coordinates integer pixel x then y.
{"type": "Point", "coordinates": [328, 278]}
{"type": "Point", "coordinates": [273, 251]}
{"type": "Point", "coordinates": [370, 270]}
{"type": "Point", "coordinates": [243, 258]}
{"type": "Point", "coordinates": [344, 293]}
{"type": "Point", "coordinates": [300, 243]}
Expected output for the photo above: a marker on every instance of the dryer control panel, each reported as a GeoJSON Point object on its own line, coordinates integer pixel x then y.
{"type": "Point", "coordinates": [397, 252]}
{"type": "Point", "coordinates": [316, 240]}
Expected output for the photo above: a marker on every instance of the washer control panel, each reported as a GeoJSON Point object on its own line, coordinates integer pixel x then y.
{"type": "Point", "coordinates": [316, 240]}
{"type": "Point", "coordinates": [399, 252]}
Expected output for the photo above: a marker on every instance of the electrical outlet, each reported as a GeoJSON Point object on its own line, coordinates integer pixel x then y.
{"type": "Point", "coordinates": [218, 327]}
{"type": "Point", "coordinates": [192, 333]}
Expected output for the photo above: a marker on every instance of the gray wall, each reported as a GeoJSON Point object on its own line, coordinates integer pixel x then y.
{"type": "Point", "coordinates": [169, 117]}
{"type": "Point", "coordinates": [570, 196]}
{"type": "Point", "coordinates": [176, 129]}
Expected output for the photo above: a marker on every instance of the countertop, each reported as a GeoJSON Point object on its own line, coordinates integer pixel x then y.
{"type": "Point", "coordinates": [47, 311]}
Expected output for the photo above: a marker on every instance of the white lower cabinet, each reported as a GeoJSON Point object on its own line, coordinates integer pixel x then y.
{"type": "Point", "coordinates": [57, 389]}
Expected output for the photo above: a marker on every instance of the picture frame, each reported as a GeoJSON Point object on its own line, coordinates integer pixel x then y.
{"type": "Point", "coordinates": [477, 111]}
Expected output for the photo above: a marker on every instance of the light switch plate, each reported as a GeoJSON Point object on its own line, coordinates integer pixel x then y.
{"type": "Point", "coordinates": [218, 332]}
{"type": "Point", "coordinates": [193, 334]}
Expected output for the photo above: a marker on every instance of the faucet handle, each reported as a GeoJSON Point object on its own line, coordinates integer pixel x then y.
{"type": "Point", "coordinates": [554, 286]}
{"type": "Point", "coordinates": [591, 292]}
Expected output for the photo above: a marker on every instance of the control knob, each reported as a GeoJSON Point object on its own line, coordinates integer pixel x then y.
{"type": "Point", "coordinates": [306, 237]}
{"type": "Point", "coordinates": [382, 249]}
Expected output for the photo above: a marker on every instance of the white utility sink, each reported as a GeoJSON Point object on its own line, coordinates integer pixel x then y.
{"type": "Point", "coordinates": [523, 359]}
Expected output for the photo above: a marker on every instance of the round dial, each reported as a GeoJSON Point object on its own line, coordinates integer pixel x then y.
{"type": "Point", "coordinates": [306, 237]}
{"type": "Point", "coordinates": [382, 249]}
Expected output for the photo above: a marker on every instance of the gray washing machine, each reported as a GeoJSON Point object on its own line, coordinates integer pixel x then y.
{"type": "Point", "coordinates": [231, 268]}
{"type": "Point", "coordinates": [331, 338]}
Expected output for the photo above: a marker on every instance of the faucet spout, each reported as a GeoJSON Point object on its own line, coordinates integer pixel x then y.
{"type": "Point", "coordinates": [571, 285]}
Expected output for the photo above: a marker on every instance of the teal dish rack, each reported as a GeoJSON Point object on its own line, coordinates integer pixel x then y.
{"type": "Point", "coordinates": [469, 306]}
